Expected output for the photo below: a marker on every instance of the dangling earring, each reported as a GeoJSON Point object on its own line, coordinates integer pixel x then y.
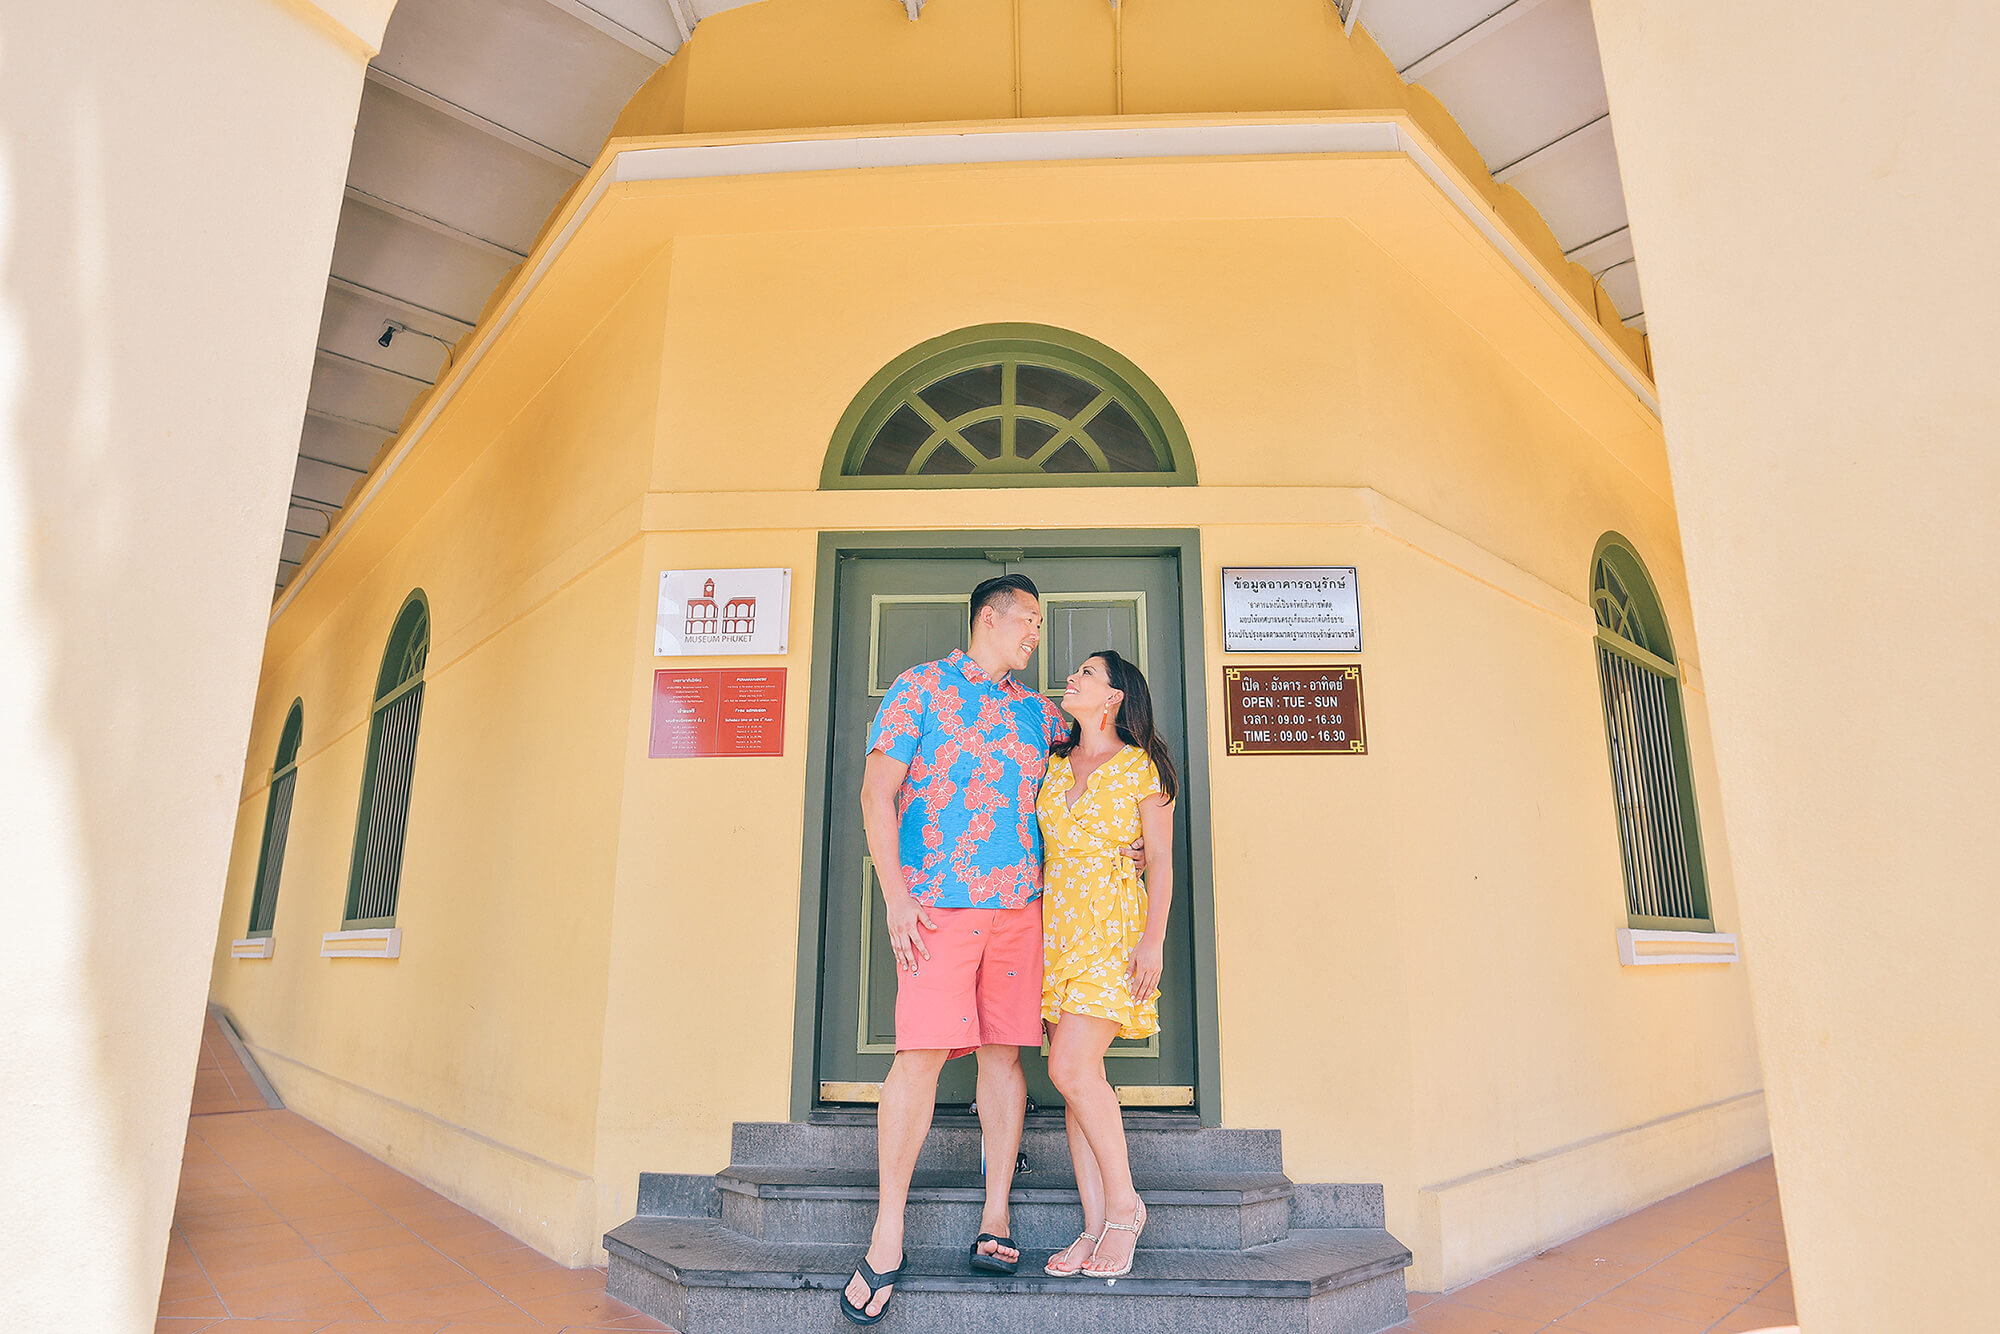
{"type": "Point", "coordinates": [1104, 720]}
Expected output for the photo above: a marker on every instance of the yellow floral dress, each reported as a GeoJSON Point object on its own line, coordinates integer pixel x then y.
{"type": "Point", "coordinates": [1093, 901]}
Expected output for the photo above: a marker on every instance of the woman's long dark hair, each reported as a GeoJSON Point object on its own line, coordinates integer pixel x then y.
{"type": "Point", "coordinates": [1135, 719]}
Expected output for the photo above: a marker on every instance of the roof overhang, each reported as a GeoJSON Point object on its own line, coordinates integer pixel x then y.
{"type": "Point", "coordinates": [1377, 172]}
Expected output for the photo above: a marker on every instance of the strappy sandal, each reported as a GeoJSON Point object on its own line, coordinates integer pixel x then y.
{"type": "Point", "coordinates": [992, 1263]}
{"type": "Point", "coordinates": [1135, 1227]}
{"type": "Point", "coordinates": [1050, 1268]}
{"type": "Point", "coordinates": [876, 1282]}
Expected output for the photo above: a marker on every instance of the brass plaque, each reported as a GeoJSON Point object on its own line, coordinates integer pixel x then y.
{"type": "Point", "coordinates": [1294, 710]}
{"type": "Point", "coordinates": [1129, 1095]}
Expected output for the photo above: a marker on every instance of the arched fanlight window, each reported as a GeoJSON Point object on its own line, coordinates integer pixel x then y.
{"type": "Point", "coordinates": [1009, 405]}
{"type": "Point", "coordinates": [385, 784]}
{"type": "Point", "coordinates": [277, 822]}
{"type": "Point", "coordinates": [1659, 833]}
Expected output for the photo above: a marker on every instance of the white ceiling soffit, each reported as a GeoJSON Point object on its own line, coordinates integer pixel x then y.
{"type": "Point", "coordinates": [479, 114]}
{"type": "Point", "coordinates": [1524, 82]}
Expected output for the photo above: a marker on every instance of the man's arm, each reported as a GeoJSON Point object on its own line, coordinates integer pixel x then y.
{"type": "Point", "coordinates": [880, 782]}
{"type": "Point", "coordinates": [1156, 823]}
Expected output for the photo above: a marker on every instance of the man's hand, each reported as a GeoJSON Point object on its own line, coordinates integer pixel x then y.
{"type": "Point", "coordinates": [905, 916]}
{"type": "Point", "coordinates": [1142, 975]}
{"type": "Point", "coordinates": [1137, 852]}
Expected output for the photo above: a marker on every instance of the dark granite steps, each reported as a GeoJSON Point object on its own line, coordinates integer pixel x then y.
{"type": "Point", "coordinates": [704, 1278]}
{"type": "Point", "coordinates": [1186, 1210]}
{"type": "Point", "coordinates": [1154, 1144]}
{"type": "Point", "coordinates": [1232, 1244]}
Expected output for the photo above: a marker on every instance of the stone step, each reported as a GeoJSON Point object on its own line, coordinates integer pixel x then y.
{"type": "Point", "coordinates": [1338, 1204]}
{"type": "Point", "coordinates": [1185, 1210]}
{"type": "Point", "coordinates": [1164, 1143]}
{"type": "Point", "coordinates": [704, 1278]}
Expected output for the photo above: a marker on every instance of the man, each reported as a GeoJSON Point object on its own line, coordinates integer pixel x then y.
{"type": "Point", "coordinates": [955, 760]}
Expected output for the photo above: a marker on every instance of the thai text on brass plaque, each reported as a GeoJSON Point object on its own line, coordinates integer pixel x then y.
{"type": "Point", "coordinates": [1294, 710]}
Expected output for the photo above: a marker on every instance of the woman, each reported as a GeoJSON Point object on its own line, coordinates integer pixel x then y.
{"type": "Point", "coordinates": [1109, 783]}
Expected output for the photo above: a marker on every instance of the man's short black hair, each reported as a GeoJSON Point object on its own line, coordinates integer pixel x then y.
{"type": "Point", "coordinates": [998, 587]}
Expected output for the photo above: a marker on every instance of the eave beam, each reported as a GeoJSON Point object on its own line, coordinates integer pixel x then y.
{"type": "Point", "coordinates": [466, 116]}
{"type": "Point", "coordinates": [409, 310]}
{"type": "Point", "coordinates": [1468, 39]}
{"type": "Point", "coordinates": [438, 225]}
{"type": "Point", "coordinates": [1587, 253]}
{"type": "Point", "coordinates": [682, 12]}
{"type": "Point", "coordinates": [359, 364]}
{"type": "Point", "coordinates": [321, 414]}
{"type": "Point", "coordinates": [1590, 129]}
{"type": "Point", "coordinates": [617, 31]}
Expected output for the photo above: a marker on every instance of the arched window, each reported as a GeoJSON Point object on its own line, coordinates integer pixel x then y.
{"type": "Point", "coordinates": [1659, 834]}
{"type": "Point", "coordinates": [277, 822]}
{"type": "Point", "coordinates": [385, 783]}
{"type": "Point", "coordinates": [1009, 405]}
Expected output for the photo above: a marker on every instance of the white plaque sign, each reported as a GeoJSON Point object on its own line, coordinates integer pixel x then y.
{"type": "Point", "coordinates": [713, 612]}
{"type": "Point", "coordinates": [1291, 609]}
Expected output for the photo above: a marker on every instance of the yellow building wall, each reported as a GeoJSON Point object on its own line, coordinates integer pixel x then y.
{"type": "Point", "coordinates": [472, 1060]}
{"type": "Point", "coordinates": [1362, 383]}
{"type": "Point", "coordinates": [1460, 1006]}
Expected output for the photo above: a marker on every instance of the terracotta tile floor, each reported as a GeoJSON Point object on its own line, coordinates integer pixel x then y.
{"type": "Point", "coordinates": [221, 1084]}
{"type": "Point", "coordinates": [281, 1228]}
{"type": "Point", "coordinates": [1708, 1261]}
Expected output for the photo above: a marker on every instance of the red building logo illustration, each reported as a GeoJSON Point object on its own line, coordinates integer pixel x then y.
{"type": "Point", "coordinates": [736, 617]}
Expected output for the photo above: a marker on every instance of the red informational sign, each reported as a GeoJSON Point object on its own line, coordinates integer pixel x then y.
{"type": "Point", "coordinates": [702, 711]}
{"type": "Point", "coordinates": [1294, 710]}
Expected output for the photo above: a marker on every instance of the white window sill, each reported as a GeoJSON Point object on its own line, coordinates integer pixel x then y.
{"type": "Point", "coordinates": [1638, 948]}
{"type": "Point", "coordinates": [375, 943]}
{"type": "Point", "coordinates": [251, 947]}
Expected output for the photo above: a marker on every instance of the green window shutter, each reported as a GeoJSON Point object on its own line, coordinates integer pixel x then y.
{"type": "Point", "coordinates": [1009, 405]}
{"type": "Point", "coordinates": [1659, 834]}
{"type": "Point", "coordinates": [376, 872]}
{"type": "Point", "coordinates": [277, 822]}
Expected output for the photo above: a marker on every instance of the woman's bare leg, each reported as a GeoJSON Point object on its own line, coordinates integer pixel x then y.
{"type": "Point", "coordinates": [1089, 1183]}
{"type": "Point", "coordinates": [1076, 1064]}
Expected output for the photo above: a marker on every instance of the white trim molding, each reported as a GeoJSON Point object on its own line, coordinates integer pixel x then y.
{"type": "Point", "coordinates": [1639, 947]}
{"type": "Point", "coordinates": [376, 943]}
{"type": "Point", "coordinates": [251, 947]}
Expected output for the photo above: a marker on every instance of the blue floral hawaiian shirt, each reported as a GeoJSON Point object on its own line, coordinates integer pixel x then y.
{"type": "Point", "coordinates": [977, 749]}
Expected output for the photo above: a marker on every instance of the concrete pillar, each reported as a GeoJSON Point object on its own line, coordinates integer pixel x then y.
{"type": "Point", "coordinates": [170, 179]}
{"type": "Point", "coordinates": [1813, 203]}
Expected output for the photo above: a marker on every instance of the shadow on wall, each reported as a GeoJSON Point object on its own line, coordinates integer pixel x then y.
{"type": "Point", "coordinates": [169, 182]}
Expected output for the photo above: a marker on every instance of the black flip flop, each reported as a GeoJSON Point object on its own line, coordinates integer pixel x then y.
{"type": "Point", "coordinates": [876, 1282]}
{"type": "Point", "coordinates": [993, 1264]}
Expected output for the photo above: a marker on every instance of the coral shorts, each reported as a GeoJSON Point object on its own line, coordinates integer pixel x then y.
{"type": "Point", "coordinates": [981, 986]}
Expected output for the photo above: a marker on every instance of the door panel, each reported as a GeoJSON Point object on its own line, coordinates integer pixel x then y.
{"type": "Point", "coordinates": [1131, 605]}
{"type": "Point", "coordinates": [894, 614]}
{"type": "Point", "coordinates": [909, 630]}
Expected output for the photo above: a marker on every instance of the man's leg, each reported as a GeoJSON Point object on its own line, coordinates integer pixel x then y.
{"type": "Point", "coordinates": [1010, 1018]}
{"type": "Point", "coordinates": [902, 1120]}
{"type": "Point", "coordinates": [1003, 1106]}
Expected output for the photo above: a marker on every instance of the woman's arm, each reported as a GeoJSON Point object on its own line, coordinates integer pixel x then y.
{"type": "Point", "coordinates": [1156, 824]}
